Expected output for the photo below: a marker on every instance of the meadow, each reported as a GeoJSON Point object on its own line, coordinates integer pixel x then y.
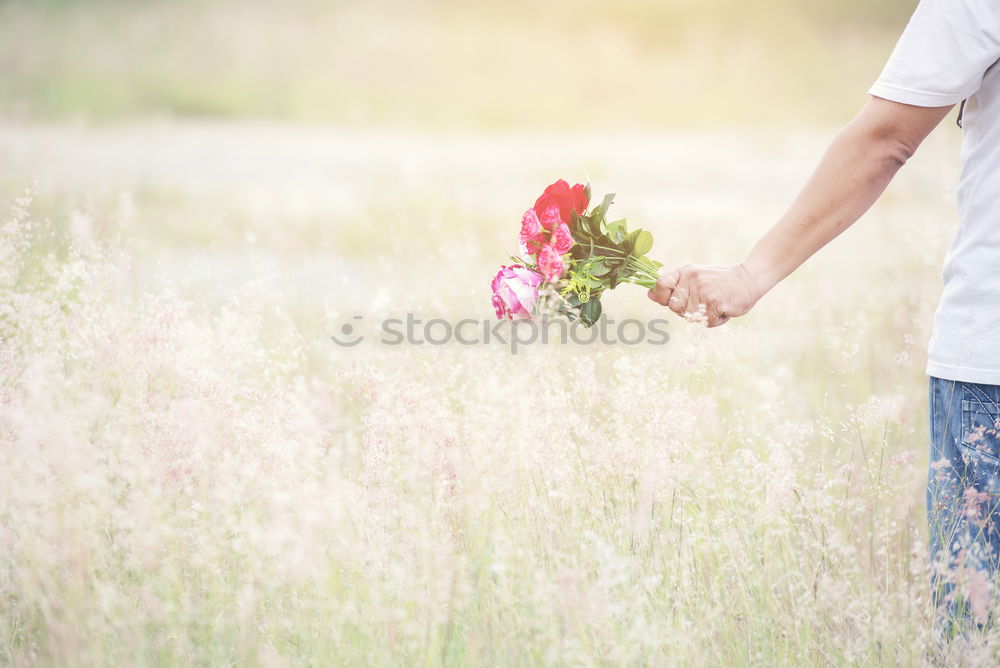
{"type": "Point", "coordinates": [193, 473]}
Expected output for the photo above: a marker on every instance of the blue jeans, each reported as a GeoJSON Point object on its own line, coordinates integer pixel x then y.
{"type": "Point", "coordinates": [963, 491]}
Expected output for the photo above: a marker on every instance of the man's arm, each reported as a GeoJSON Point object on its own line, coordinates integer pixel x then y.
{"type": "Point", "coordinates": [853, 173]}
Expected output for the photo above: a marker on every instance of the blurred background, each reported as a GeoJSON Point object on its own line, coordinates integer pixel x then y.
{"type": "Point", "coordinates": [446, 64]}
{"type": "Point", "coordinates": [273, 135]}
{"type": "Point", "coordinates": [377, 156]}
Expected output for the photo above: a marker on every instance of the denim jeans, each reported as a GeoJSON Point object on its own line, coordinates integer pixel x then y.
{"type": "Point", "coordinates": [963, 490]}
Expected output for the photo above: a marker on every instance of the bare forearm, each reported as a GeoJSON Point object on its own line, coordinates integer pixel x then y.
{"type": "Point", "coordinates": [851, 176]}
{"type": "Point", "coordinates": [847, 181]}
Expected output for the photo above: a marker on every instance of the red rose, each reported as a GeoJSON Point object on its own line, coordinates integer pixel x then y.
{"type": "Point", "coordinates": [564, 198]}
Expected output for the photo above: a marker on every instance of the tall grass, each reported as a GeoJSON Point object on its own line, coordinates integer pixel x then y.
{"type": "Point", "coordinates": [191, 472]}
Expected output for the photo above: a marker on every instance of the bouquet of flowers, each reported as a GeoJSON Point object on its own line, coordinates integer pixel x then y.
{"type": "Point", "coordinates": [570, 257]}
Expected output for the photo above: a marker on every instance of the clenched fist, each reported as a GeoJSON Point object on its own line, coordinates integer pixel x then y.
{"type": "Point", "coordinates": [724, 292]}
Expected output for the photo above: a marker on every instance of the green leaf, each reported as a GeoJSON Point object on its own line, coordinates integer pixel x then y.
{"type": "Point", "coordinates": [590, 311]}
{"type": "Point", "coordinates": [629, 243]}
{"type": "Point", "coordinates": [643, 242]}
{"type": "Point", "coordinates": [617, 230]}
{"type": "Point", "coordinates": [570, 309]}
{"type": "Point", "coordinates": [601, 211]}
{"type": "Point", "coordinates": [595, 225]}
{"type": "Point", "coordinates": [652, 263]}
{"type": "Point", "coordinates": [598, 267]}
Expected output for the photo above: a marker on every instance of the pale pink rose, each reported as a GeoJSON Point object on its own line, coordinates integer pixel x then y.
{"type": "Point", "coordinates": [550, 263]}
{"type": "Point", "coordinates": [532, 233]}
{"type": "Point", "coordinates": [515, 290]}
{"type": "Point", "coordinates": [500, 307]}
{"type": "Point", "coordinates": [562, 239]}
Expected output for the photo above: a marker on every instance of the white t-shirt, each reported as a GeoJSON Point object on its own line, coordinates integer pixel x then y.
{"type": "Point", "coordinates": [949, 52]}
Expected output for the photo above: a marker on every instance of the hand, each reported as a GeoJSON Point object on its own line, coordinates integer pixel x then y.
{"type": "Point", "coordinates": [725, 292]}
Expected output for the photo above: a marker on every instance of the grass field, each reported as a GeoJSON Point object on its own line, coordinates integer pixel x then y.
{"type": "Point", "coordinates": [193, 473]}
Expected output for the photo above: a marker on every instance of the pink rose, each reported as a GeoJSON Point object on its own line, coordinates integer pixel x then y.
{"type": "Point", "coordinates": [536, 228]}
{"type": "Point", "coordinates": [515, 290]}
{"type": "Point", "coordinates": [550, 263]}
{"type": "Point", "coordinates": [532, 234]}
{"type": "Point", "coordinates": [549, 217]}
{"type": "Point", "coordinates": [562, 239]}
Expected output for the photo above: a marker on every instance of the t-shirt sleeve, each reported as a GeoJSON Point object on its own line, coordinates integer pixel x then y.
{"type": "Point", "coordinates": [943, 54]}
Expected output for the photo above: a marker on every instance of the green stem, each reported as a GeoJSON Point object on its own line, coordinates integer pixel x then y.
{"type": "Point", "coordinates": [644, 273]}
{"type": "Point", "coordinates": [641, 268]}
{"type": "Point", "coordinates": [644, 281]}
{"type": "Point", "coordinates": [630, 259]}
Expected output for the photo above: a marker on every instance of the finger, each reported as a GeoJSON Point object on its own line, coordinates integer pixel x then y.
{"type": "Point", "coordinates": [679, 299]}
{"type": "Point", "coordinates": [659, 294]}
{"type": "Point", "coordinates": [714, 315]}
{"type": "Point", "coordinates": [718, 321]}
{"type": "Point", "coordinates": [693, 306]}
{"type": "Point", "coordinates": [664, 287]}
